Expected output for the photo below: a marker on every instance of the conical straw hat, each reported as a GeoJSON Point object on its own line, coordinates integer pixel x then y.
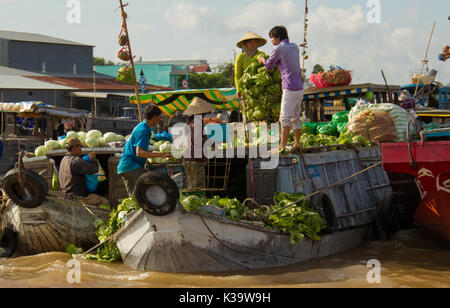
{"type": "Point", "coordinates": [252, 36]}
{"type": "Point", "coordinates": [199, 106]}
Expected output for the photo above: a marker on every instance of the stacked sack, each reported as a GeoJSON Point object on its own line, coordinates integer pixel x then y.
{"type": "Point", "coordinates": [396, 126]}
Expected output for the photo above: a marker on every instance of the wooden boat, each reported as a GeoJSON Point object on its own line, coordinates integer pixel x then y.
{"type": "Point", "coordinates": [204, 242]}
{"type": "Point", "coordinates": [60, 220]}
{"type": "Point", "coordinates": [429, 163]}
{"type": "Point", "coordinates": [54, 224]}
{"type": "Point", "coordinates": [207, 241]}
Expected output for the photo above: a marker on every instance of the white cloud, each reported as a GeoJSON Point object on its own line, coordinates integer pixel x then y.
{"type": "Point", "coordinates": [188, 16]}
{"type": "Point", "coordinates": [340, 22]}
{"type": "Point", "coordinates": [261, 15]}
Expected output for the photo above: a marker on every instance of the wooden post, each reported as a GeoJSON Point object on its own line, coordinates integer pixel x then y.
{"type": "Point", "coordinates": [425, 60]}
{"type": "Point", "coordinates": [136, 88]}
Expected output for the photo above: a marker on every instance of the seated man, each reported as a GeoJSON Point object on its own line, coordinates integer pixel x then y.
{"type": "Point", "coordinates": [73, 169]}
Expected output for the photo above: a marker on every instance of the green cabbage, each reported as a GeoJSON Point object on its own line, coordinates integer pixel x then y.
{"type": "Point", "coordinates": [63, 143]}
{"type": "Point", "coordinates": [52, 145]}
{"type": "Point", "coordinates": [165, 147]}
{"type": "Point", "coordinates": [94, 134]}
{"type": "Point", "coordinates": [93, 143]}
{"type": "Point", "coordinates": [110, 137]}
{"type": "Point", "coordinates": [72, 134]}
{"type": "Point", "coordinates": [41, 151]}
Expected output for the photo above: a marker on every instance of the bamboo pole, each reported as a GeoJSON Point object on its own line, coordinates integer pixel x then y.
{"type": "Point", "coordinates": [425, 60]}
{"type": "Point", "coordinates": [136, 88]}
{"type": "Point", "coordinates": [305, 41]}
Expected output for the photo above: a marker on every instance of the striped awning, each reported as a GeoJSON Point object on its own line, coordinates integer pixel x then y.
{"type": "Point", "coordinates": [171, 101]}
{"type": "Point", "coordinates": [324, 93]}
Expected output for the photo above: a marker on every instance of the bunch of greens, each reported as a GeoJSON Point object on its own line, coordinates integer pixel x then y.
{"type": "Point", "coordinates": [109, 252]}
{"type": "Point", "coordinates": [337, 126]}
{"type": "Point", "coordinates": [297, 220]}
{"type": "Point", "coordinates": [261, 90]}
{"type": "Point", "coordinates": [309, 140]}
{"type": "Point", "coordinates": [352, 138]}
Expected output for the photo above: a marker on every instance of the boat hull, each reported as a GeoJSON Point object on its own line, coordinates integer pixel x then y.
{"type": "Point", "coordinates": [429, 164]}
{"type": "Point", "coordinates": [188, 243]}
{"type": "Point", "coordinates": [53, 226]}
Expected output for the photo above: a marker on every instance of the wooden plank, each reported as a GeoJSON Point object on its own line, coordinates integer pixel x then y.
{"type": "Point", "coordinates": [50, 235]}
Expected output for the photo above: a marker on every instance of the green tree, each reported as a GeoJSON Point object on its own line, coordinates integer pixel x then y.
{"type": "Point", "coordinates": [102, 62]}
{"type": "Point", "coordinates": [221, 76]}
{"type": "Point", "coordinates": [318, 68]}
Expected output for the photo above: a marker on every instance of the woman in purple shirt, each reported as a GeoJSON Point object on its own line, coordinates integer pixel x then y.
{"type": "Point", "coordinates": [287, 57]}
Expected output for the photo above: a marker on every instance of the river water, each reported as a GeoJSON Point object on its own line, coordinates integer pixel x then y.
{"type": "Point", "coordinates": [408, 260]}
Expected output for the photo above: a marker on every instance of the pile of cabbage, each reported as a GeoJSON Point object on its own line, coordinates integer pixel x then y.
{"type": "Point", "coordinates": [164, 147]}
{"type": "Point", "coordinates": [261, 91]}
{"type": "Point", "coordinates": [321, 135]}
{"type": "Point", "coordinates": [91, 139]}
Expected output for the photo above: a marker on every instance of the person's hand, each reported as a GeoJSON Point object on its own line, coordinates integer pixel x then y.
{"type": "Point", "coordinates": [92, 156]}
{"type": "Point", "coordinates": [261, 60]}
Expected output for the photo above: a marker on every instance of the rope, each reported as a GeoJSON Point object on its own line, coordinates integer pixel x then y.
{"type": "Point", "coordinates": [323, 189]}
{"type": "Point", "coordinates": [235, 250]}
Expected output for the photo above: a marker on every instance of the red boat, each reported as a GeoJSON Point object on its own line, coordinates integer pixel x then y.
{"type": "Point", "coordinates": [429, 163]}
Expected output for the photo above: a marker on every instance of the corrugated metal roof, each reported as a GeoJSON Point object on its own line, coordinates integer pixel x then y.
{"type": "Point", "coordinates": [174, 62]}
{"type": "Point", "coordinates": [7, 71]}
{"type": "Point", "coordinates": [23, 83]}
{"type": "Point", "coordinates": [103, 95]}
{"type": "Point", "coordinates": [38, 38]}
{"type": "Point", "coordinates": [88, 83]}
{"type": "Point", "coordinates": [201, 69]}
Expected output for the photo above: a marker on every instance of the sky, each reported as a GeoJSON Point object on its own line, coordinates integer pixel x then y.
{"type": "Point", "coordinates": [339, 33]}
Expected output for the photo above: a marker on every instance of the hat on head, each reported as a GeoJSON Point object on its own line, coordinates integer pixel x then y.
{"type": "Point", "coordinates": [73, 142]}
{"type": "Point", "coordinates": [199, 106]}
{"type": "Point", "coordinates": [252, 36]}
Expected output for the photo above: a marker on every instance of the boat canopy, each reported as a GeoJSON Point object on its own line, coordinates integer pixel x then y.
{"type": "Point", "coordinates": [311, 94]}
{"type": "Point", "coordinates": [38, 107]}
{"type": "Point", "coordinates": [173, 101]}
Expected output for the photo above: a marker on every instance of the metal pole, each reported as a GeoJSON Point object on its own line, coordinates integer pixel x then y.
{"type": "Point", "coordinates": [136, 88]}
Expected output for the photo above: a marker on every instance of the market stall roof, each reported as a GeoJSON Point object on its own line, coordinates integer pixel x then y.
{"type": "Point", "coordinates": [311, 94]}
{"type": "Point", "coordinates": [172, 101]}
{"type": "Point", "coordinates": [37, 107]}
{"type": "Point", "coordinates": [102, 95]}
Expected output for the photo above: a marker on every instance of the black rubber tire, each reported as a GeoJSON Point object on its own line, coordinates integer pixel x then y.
{"type": "Point", "coordinates": [387, 210]}
{"type": "Point", "coordinates": [9, 241]}
{"type": "Point", "coordinates": [169, 187]}
{"type": "Point", "coordinates": [387, 215]}
{"type": "Point", "coordinates": [35, 185]}
{"type": "Point", "coordinates": [324, 206]}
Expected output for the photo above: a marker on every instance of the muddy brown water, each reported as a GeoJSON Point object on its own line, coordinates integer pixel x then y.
{"type": "Point", "coordinates": [409, 260]}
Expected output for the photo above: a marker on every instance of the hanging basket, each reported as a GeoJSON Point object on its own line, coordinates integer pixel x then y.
{"type": "Point", "coordinates": [123, 40]}
{"type": "Point", "coordinates": [124, 55]}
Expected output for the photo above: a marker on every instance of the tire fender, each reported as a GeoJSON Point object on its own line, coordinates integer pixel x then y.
{"type": "Point", "coordinates": [323, 204]}
{"type": "Point", "coordinates": [9, 241]}
{"type": "Point", "coordinates": [34, 192]}
{"type": "Point", "coordinates": [157, 193]}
